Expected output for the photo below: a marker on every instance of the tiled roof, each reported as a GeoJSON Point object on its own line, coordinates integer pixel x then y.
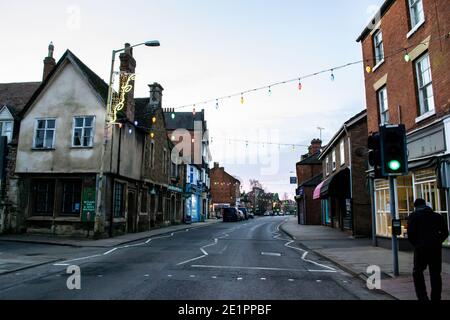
{"type": "Point", "coordinates": [183, 120]}
{"type": "Point", "coordinates": [314, 181]}
{"type": "Point", "coordinates": [16, 95]}
{"type": "Point", "coordinates": [313, 159]}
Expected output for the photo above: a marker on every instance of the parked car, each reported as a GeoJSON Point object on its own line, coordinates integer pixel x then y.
{"type": "Point", "coordinates": [241, 215]}
{"type": "Point", "coordinates": [245, 212]}
{"type": "Point", "coordinates": [267, 213]}
{"type": "Point", "coordinates": [251, 215]}
{"type": "Point", "coordinates": [231, 215]}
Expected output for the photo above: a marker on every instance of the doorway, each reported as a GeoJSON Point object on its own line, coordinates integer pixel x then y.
{"type": "Point", "coordinates": [132, 213]}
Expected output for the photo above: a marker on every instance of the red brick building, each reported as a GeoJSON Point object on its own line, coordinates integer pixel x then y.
{"type": "Point", "coordinates": [225, 189]}
{"type": "Point", "coordinates": [408, 82]}
{"type": "Point", "coordinates": [309, 175]}
{"type": "Point", "coordinates": [343, 192]}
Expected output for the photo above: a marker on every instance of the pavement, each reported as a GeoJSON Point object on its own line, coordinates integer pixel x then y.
{"type": "Point", "coordinates": [249, 260]}
{"type": "Point", "coordinates": [356, 255]}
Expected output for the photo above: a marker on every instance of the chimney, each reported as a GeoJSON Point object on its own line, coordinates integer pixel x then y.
{"type": "Point", "coordinates": [49, 62]}
{"type": "Point", "coordinates": [156, 91]}
{"type": "Point", "coordinates": [316, 146]}
{"type": "Point", "coordinates": [128, 67]}
{"type": "Point", "coordinates": [216, 165]}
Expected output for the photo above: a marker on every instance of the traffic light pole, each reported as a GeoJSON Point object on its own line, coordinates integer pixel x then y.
{"type": "Point", "coordinates": [393, 197]}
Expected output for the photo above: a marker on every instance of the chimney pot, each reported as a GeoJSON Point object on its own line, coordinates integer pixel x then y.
{"type": "Point", "coordinates": [49, 62]}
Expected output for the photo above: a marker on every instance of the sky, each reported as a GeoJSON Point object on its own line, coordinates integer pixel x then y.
{"type": "Point", "coordinates": [211, 49]}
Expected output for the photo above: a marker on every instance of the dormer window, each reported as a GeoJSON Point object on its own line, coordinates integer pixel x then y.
{"type": "Point", "coordinates": [6, 123]}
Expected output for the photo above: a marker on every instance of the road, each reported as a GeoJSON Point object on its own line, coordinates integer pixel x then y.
{"type": "Point", "coordinates": [249, 260]}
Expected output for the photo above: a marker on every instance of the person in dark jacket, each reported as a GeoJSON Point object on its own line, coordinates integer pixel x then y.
{"type": "Point", "coordinates": [427, 231]}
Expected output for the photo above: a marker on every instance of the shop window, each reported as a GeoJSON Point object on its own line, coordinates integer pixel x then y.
{"type": "Point", "coordinates": [425, 187]}
{"type": "Point", "coordinates": [405, 204]}
{"type": "Point", "coordinates": [144, 198]}
{"type": "Point", "coordinates": [43, 197]}
{"type": "Point", "coordinates": [118, 207]}
{"type": "Point", "coordinates": [71, 197]}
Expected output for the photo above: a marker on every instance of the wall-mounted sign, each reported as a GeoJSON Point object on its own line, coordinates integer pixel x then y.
{"type": "Point", "coordinates": [127, 86]}
{"type": "Point", "coordinates": [88, 205]}
{"type": "Point", "coordinates": [293, 180]}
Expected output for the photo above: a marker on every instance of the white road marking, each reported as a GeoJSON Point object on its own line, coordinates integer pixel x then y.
{"type": "Point", "coordinates": [202, 249]}
{"type": "Point", "coordinates": [169, 275]}
{"type": "Point", "coordinates": [305, 253]}
{"type": "Point", "coordinates": [318, 281]}
{"type": "Point", "coordinates": [214, 277]}
{"type": "Point", "coordinates": [110, 251]}
{"type": "Point", "coordinates": [252, 268]}
{"type": "Point", "coordinates": [146, 275]}
{"type": "Point", "coordinates": [239, 279]}
{"type": "Point", "coordinates": [291, 280]}
{"type": "Point", "coordinates": [263, 279]}
{"type": "Point", "coordinates": [273, 254]}
{"type": "Point", "coordinates": [65, 263]}
{"type": "Point", "coordinates": [192, 276]}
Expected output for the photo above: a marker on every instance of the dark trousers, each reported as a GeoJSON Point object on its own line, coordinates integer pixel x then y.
{"type": "Point", "coordinates": [431, 258]}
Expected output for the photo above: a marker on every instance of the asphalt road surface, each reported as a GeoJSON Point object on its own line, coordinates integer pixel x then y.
{"type": "Point", "coordinates": [249, 260]}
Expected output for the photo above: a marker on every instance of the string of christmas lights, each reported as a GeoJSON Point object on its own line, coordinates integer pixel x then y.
{"type": "Point", "coordinates": [331, 71]}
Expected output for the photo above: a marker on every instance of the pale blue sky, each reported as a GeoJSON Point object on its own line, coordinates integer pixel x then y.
{"type": "Point", "coordinates": [210, 49]}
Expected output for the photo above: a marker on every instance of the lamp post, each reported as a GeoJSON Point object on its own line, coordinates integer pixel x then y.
{"type": "Point", "coordinates": [108, 122]}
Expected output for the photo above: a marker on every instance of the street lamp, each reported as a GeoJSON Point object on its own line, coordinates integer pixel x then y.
{"type": "Point", "coordinates": [152, 43]}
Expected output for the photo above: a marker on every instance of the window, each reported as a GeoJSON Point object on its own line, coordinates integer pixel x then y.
{"type": "Point", "coordinates": [118, 206]}
{"type": "Point", "coordinates": [416, 12]}
{"type": "Point", "coordinates": [383, 105]}
{"type": "Point", "coordinates": [424, 84]}
{"type": "Point", "coordinates": [152, 154]}
{"type": "Point", "coordinates": [378, 45]}
{"type": "Point", "coordinates": [327, 165]}
{"type": "Point", "coordinates": [83, 131]}
{"type": "Point", "coordinates": [165, 161]}
{"type": "Point", "coordinates": [333, 160]}
{"type": "Point", "coordinates": [342, 152]}
{"type": "Point", "coordinates": [144, 198]}
{"type": "Point", "coordinates": [44, 137]}
{"type": "Point", "coordinates": [71, 197]}
{"type": "Point", "coordinates": [43, 197]}
{"type": "Point", "coordinates": [6, 129]}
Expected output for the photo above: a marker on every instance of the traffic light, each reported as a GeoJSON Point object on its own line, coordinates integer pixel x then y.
{"type": "Point", "coordinates": [394, 158]}
{"type": "Point", "coordinates": [374, 146]}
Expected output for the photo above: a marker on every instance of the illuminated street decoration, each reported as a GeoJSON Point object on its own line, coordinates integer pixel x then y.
{"type": "Point", "coordinates": [126, 88]}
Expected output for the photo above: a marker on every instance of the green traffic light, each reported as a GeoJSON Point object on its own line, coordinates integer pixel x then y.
{"type": "Point", "coordinates": [394, 165]}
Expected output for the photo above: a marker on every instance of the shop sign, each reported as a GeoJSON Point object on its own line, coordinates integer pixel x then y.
{"type": "Point", "coordinates": [88, 205]}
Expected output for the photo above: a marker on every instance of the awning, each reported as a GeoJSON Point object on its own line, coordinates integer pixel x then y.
{"type": "Point", "coordinates": [337, 185]}
{"type": "Point", "coordinates": [316, 194]}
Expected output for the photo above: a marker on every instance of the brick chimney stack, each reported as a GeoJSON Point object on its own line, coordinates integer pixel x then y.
{"type": "Point", "coordinates": [128, 67]}
{"type": "Point", "coordinates": [49, 62]}
{"type": "Point", "coordinates": [316, 146]}
{"type": "Point", "coordinates": [156, 93]}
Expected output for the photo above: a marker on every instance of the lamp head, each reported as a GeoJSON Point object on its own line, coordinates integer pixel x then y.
{"type": "Point", "coordinates": [153, 43]}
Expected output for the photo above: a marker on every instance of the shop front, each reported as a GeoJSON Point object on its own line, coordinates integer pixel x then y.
{"type": "Point", "coordinates": [428, 179]}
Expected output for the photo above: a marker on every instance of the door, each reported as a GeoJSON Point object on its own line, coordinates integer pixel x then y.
{"type": "Point", "coordinates": [132, 213]}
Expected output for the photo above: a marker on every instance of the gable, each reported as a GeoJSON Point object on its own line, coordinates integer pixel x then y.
{"type": "Point", "coordinates": [5, 114]}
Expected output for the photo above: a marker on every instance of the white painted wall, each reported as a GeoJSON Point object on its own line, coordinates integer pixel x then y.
{"type": "Point", "coordinates": [67, 95]}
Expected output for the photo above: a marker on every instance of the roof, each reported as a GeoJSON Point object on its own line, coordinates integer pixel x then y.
{"type": "Point", "coordinates": [384, 8]}
{"type": "Point", "coordinates": [183, 120]}
{"type": "Point", "coordinates": [312, 159]}
{"type": "Point", "coordinates": [226, 173]}
{"type": "Point", "coordinates": [347, 124]}
{"type": "Point", "coordinates": [100, 86]}
{"type": "Point", "coordinates": [313, 182]}
{"type": "Point", "coordinates": [16, 95]}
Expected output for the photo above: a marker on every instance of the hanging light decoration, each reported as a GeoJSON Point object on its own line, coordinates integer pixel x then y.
{"type": "Point", "coordinates": [368, 69]}
{"type": "Point", "coordinates": [130, 131]}
{"type": "Point", "coordinates": [152, 135]}
{"type": "Point", "coordinates": [173, 115]}
{"type": "Point", "coordinates": [153, 120]}
{"type": "Point", "coordinates": [193, 111]}
{"type": "Point", "coordinates": [300, 86]}
{"type": "Point", "coordinates": [217, 103]}
{"type": "Point", "coordinates": [136, 123]}
{"type": "Point", "coordinates": [407, 56]}
{"type": "Point", "coordinates": [332, 75]}
{"type": "Point", "coordinates": [270, 91]}
{"type": "Point", "coordinates": [242, 98]}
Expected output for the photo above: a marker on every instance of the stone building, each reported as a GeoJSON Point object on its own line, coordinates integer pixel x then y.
{"type": "Point", "coordinates": [408, 51]}
{"type": "Point", "coordinates": [66, 156]}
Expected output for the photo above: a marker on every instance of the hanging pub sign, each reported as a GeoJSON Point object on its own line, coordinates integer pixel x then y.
{"type": "Point", "coordinates": [126, 86]}
{"type": "Point", "coordinates": [88, 205]}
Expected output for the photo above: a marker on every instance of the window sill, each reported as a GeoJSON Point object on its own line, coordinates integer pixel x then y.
{"type": "Point", "coordinates": [426, 116]}
{"type": "Point", "coordinates": [413, 30]}
{"type": "Point", "coordinates": [81, 148]}
{"type": "Point", "coordinates": [43, 149]}
{"type": "Point", "coordinates": [377, 65]}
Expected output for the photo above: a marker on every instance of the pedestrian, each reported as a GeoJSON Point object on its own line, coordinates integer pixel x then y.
{"type": "Point", "coordinates": [427, 231]}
